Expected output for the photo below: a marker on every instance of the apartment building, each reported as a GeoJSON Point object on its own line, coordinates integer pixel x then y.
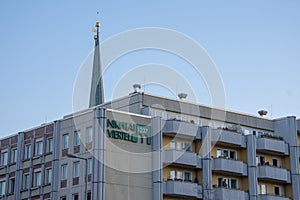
{"type": "Point", "coordinates": [144, 146]}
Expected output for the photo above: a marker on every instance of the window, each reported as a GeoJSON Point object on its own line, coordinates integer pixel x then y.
{"type": "Point", "coordinates": [4, 157]}
{"type": "Point", "coordinates": [187, 146]}
{"type": "Point", "coordinates": [172, 174]}
{"type": "Point", "coordinates": [63, 198]}
{"type": "Point", "coordinates": [275, 162]}
{"type": "Point", "coordinates": [49, 145]}
{"type": "Point", "coordinates": [37, 178]}
{"type": "Point", "coordinates": [65, 141]}
{"type": "Point", "coordinates": [232, 154]}
{"type": "Point", "coordinates": [277, 191]}
{"type": "Point", "coordinates": [89, 135]}
{"type": "Point", "coordinates": [48, 175]}
{"type": "Point", "coordinates": [76, 138]}
{"type": "Point", "coordinates": [75, 197]}
{"type": "Point", "coordinates": [26, 181]}
{"type": "Point", "coordinates": [89, 195]}
{"type": "Point", "coordinates": [219, 153]}
{"type": "Point", "coordinates": [11, 185]}
{"type": "Point", "coordinates": [260, 160]}
{"type": "Point", "coordinates": [39, 148]}
{"type": "Point", "coordinates": [261, 189]}
{"type": "Point", "coordinates": [179, 175]}
{"type": "Point", "coordinates": [14, 155]}
{"type": "Point", "coordinates": [227, 183]}
{"type": "Point", "coordinates": [180, 145]}
{"type": "Point", "coordinates": [76, 169]}
{"type": "Point", "coordinates": [225, 153]}
{"type": "Point", "coordinates": [172, 145]}
{"type": "Point", "coordinates": [63, 172]}
{"type": "Point", "coordinates": [27, 154]}
{"type": "Point", "coordinates": [89, 166]}
{"type": "Point", "coordinates": [2, 187]}
{"type": "Point", "coordinates": [188, 176]}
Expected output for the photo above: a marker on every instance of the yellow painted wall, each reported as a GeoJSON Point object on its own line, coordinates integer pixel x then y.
{"type": "Point", "coordinates": [288, 190]}
{"type": "Point", "coordinates": [198, 145]}
{"type": "Point", "coordinates": [285, 190]}
{"type": "Point", "coordinates": [167, 140]}
{"type": "Point", "coordinates": [195, 173]}
{"type": "Point", "coordinates": [241, 153]}
{"type": "Point", "coordinates": [166, 171]}
{"type": "Point", "coordinates": [284, 161]}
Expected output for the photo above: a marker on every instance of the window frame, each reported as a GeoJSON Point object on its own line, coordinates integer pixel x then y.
{"type": "Point", "coordinates": [4, 158]}
{"type": "Point", "coordinates": [89, 134]}
{"type": "Point", "coordinates": [14, 155]}
{"type": "Point", "coordinates": [11, 186]}
{"type": "Point", "coordinates": [26, 181]}
{"type": "Point", "coordinates": [279, 190]}
{"type": "Point", "coordinates": [48, 175]}
{"type": "Point", "coordinates": [39, 147]}
{"type": "Point", "coordinates": [76, 169]}
{"type": "Point", "coordinates": [37, 178]}
{"type": "Point", "coordinates": [65, 141]}
{"type": "Point", "coordinates": [50, 145]}
{"type": "Point", "coordinates": [2, 189]}
{"type": "Point", "coordinates": [64, 172]}
{"type": "Point", "coordinates": [28, 151]}
{"type": "Point", "coordinates": [89, 166]}
{"type": "Point", "coordinates": [77, 140]}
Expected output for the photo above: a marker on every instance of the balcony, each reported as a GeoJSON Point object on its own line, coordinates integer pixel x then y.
{"type": "Point", "coordinates": [271, 197]}
{"type": "Point", "coordinates": [229, 165]}
{"type": "Point", "coordinates": [186, 189]}
{"type": "Point", "coordinates": [274, 173]}
{"type": "Point", "coordinates": [180, 157]}
{"type": "Point", "coordinates": [183, 128]}
{"type": "Point", "coordinates": [226, 136]}
{"type": "Point", "coordinates": [271, 144]}
{"type": "Point", "coordinates": [225, 193]}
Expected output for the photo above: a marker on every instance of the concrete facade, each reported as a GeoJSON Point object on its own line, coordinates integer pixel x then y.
{"type": "Point", "coordinates": [148, 147]}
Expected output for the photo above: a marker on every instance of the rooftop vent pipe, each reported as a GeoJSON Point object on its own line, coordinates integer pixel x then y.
{"type": "Point", "coordinates": [182, 96]}
{"type": "Point", "coordinates": [263, 113]}
{"type": "Point", "coordinates": [136, 88]}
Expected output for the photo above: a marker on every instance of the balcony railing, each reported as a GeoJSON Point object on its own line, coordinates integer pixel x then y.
{"type": "Point", "coordinates": [271, 144]}
{"type": "Point", "coordinates": [274, 173]}
{"type": "Point", "coordinates": [187, 189]}
{"type": "Point", "coordinates": [226, 136]}
{"type": "Point", "coordinates": [183, 128]}
{"type": "Point", "coordinates": [180, 157]}
{"type": "Point", "coordinates": [229, 165]}
{"type": "Point", "coordinates": [226, 193]}
{"type": "Point", "coordinates": [271, 197]}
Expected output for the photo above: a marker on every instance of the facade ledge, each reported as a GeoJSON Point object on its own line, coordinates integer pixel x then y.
{"type": "Point", "coordinates": [229, 165]}
{"type": "Point", "coordinates": [182, 188]}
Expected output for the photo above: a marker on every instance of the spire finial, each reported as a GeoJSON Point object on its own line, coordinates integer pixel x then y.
{"type": "Point", "coordinates": [97, 90]}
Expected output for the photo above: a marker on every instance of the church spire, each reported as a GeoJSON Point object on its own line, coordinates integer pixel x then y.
{"type": "Point", "coordinates": [97, 90]}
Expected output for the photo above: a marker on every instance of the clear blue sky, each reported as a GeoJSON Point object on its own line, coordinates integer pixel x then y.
{"type": "Point", "coordinates": [255, 44]}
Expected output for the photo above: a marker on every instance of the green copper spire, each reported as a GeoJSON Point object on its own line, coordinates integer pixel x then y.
{"type": "Point", "coordinates": [97, 91]}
